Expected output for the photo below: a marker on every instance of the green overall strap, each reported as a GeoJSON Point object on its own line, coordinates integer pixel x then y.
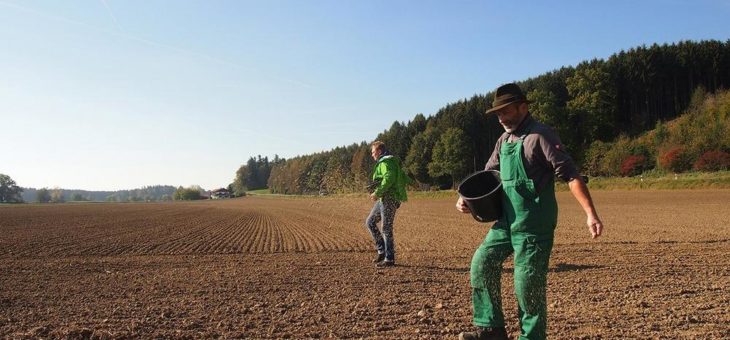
{"type": "Point", "coordinates": [531, 217]}
{"type": "Point", "coordinates": [525, 210]}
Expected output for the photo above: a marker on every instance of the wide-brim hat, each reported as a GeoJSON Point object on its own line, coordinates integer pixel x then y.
{"type": "Point", "coordinates": [507, 94]}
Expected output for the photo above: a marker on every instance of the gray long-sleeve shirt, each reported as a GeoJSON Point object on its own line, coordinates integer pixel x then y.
{"type": "Point", "coordinates": [543, 154]}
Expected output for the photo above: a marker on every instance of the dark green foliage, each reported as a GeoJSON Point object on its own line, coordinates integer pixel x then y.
{"type": "Point", "coordinates": [9, 190]}
{"type": "Point", "coordinates": [43, 195]}
{"type": "Point", "coordinates": [451, 156]}
{"type": "Point", "coordinates": [396, 139]}
{"type": "Point", "coordinates": [589, 105]}
{"type": "Point", "coordinates": [469, 116]}
{"type": "Point", "coordinates": [546, 109]}
{"type": "Point", "coordinates": [592, 107]}
{"type": "Point", "coordinates": [419, 155]}
{"type": "Point", "coordinates": [254, 174]}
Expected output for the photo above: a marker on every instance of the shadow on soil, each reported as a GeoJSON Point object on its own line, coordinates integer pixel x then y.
{"type": "Point", "coordinates": [559, 268]}
{"type": "Point", "coordinates": [567, 267]}
{"type": "Point", "coordinates": [441, 269]}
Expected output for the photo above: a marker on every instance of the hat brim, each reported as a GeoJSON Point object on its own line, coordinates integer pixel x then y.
{"type": "Point", "coordinates": [499, 107]}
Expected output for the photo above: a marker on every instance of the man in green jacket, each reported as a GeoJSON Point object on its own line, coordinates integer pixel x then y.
{"type": "Point", "coordinates": [529, 156]}
{"type": "Point", "coordinates": [388, 195]}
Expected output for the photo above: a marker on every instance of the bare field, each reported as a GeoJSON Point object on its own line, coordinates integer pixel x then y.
{"type": "Point", "coordinates": [273, 267]}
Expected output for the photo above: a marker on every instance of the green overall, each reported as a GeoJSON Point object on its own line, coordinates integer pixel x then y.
{"type": "Point", "coordinates": [526, 228]}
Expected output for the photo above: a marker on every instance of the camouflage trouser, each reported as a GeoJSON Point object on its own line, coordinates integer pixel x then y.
{"type": "Point", "coordinates": [383, 210]}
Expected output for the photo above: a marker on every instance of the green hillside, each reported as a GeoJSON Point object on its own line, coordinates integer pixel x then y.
{"type": "Point", "coordinates": [651, 108]}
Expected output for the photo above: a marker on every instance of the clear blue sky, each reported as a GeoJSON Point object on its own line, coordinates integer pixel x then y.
{"type": "Point", "coordinates": [119, 94]}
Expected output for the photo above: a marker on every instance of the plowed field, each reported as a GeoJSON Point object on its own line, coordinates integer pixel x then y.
{"type": "Point", "coordinates": [273, 267]}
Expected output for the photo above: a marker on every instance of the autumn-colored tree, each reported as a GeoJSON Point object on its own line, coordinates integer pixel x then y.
{"type": "Point", "coordinates": [715, 160]}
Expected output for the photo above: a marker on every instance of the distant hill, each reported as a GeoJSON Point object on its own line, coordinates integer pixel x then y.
{"type": "Point", "coordinates": [150, 193]}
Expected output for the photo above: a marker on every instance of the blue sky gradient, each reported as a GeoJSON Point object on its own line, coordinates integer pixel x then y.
{"type": "Point", "coordinates": [111, 94]}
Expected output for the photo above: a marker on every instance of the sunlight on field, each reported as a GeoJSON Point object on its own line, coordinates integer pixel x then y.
{"type": "Point", "coordinates": [270, 266]}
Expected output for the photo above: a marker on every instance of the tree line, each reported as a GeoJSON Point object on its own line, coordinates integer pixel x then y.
{"type": "Point", "coordinates": [10, 192]}
{"type": "Point", "coordinates": [152, 193]}
{"type": "Point", "coordinates": [592, 106]}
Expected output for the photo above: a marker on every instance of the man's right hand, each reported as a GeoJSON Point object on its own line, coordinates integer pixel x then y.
{"type": "Point", "coordinates": [595, 226]}
{"type": "Point", "coordinates": [461, 206]}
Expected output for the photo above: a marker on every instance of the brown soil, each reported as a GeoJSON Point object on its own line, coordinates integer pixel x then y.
{"type": "Point", "coordinates": [265, 267]}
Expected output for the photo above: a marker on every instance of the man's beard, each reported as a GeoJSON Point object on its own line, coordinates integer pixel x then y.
{"type": "Point", "coordinates": [509, 127]}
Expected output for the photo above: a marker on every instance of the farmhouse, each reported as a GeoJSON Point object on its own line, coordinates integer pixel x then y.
{"type": "Point", "coordinates": [220, 193]}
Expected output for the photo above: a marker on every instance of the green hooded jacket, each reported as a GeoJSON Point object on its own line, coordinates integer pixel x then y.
{"type": "Point", "coordinates": [393, 180]}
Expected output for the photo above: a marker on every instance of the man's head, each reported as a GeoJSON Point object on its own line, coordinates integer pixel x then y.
{"type": "Point", "coordinates": [510, 106]}
{"type": "Point", "coordinates": [377, 148]}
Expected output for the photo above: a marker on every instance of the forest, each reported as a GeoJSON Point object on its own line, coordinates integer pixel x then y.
{"type": "Point", "coordinates": [650, 108]}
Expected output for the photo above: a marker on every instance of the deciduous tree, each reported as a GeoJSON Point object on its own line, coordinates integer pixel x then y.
{"type": "Point", "coordinates": [43, 195]}
{"type": "Point", "coordinates": [9, 190]}
{"type": "Point", "coordinates": [451, 155]}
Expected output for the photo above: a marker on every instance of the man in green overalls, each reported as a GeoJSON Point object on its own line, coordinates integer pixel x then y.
{"type": "Point", "coordinates": [529, 156]}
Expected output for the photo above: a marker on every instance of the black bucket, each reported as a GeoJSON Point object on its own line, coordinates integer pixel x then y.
{"type": "Point", "coordinates": [482, 193]}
